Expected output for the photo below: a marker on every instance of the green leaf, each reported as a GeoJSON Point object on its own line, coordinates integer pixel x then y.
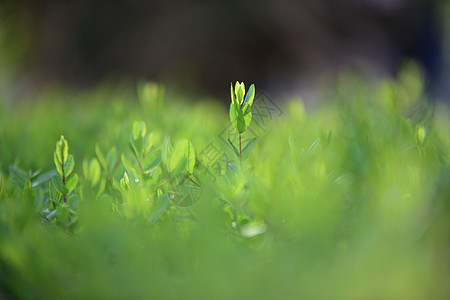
{"type": "Point", "coordinates": [32, 175]}
{"type": "Point", "coordinates": [133, 145]}
{"type": "Point", "coordinates": [148, 144]}
{"type": "Point", "coordinates": [59, 152]}
{"type": "Point", "coordinates": [101, 188]}
{"type": "Point", "coordinates": [69, 165]}
{"type": "Point", "coordinates": [58, 185]}
{"type": "Point", "coordinates": [73, 201]}
{"type": "Point", "coordinates": [129, 166]}
{"type": "Point", "coordinates": [124, 182]}
{"type": "Point", "coordinates": [155, 174]}
{"type": "Point", "coordinates": [325, 137]}
{"type": "Point", "coordinates": [313, 147]}
{"type": "Point", "coordinates": [86, 168]}
{"type": "Point", "coordinates": [62, 150]}
{"type": "Point", "coordinates": [57, 164]}
{"type": "Point", "coordinates": [139, 130]}
{"type": "Point", "coordinates": [138, 139]}
{"type": "Point", "coordinates": [236, 151]}
{"type": "Point", "coordinates": [250, 96]}
{"type": "Point", "coordinates": [19, 176]}
{"type": "Point", "coordinates": [182, 159]}
{"type": "Point", "coordinates": [248, 147]}
{"type": "Point", "coordinates": [101, 157]}
{"type": "Point", "coordinates": [240, 119]}
{"type": "Point", "coordinates": [239, 91]}
{"type": "Point", "coordinates": [233, 98]}
{"type": "Point", "coordinates": [71, 182]}
{"type": "Point", "coordinates": [65, 150]}
{"type": "Point", "coordinates": [62, 213]}
{"type": "Point", "coordinates": [92, 171]}
{"type": "Point", "coordinates": [152, 160]}
{"type": "Point", "coordinates": [43, 178]}
{"type": "Point", "coordinates": [111, 159]}
{"type": "Point", "coordinates": [167, 149]}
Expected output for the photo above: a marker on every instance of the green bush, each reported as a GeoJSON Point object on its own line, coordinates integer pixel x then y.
{"type": "Point", "coordinates": [347, 201]}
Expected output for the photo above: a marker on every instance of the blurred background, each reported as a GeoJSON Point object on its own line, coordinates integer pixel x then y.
{"type": "Point", "coordinates": [198, 47]}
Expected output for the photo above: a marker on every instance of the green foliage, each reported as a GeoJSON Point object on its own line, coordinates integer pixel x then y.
{"type": "Point", "coordinates": [351, 196]}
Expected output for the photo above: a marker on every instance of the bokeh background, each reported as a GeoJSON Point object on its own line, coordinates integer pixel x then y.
{"type": "Point", "coordinates": [198, 47]}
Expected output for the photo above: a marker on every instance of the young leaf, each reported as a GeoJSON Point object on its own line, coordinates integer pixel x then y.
{"type": "Point", "coordinates": [233, 97]}
{"type": "Point", "coordinates": [57, 164]}
{"type": "Point", "coordinates": [152, 160]}
{"type": "Point", "coordinates": [62, 150]}
{"type": "Point", "coordinates": [69, 165]}
{"type": "Point", "coordinates": [236, 151]}
{"type": "Point", "coordinates": [129, 166]}
{"type": "Point", "coordinates": [239, 90]}
{"type": "Point", "coordinates": [71, 182]}
{"type": "Point", "coordinates": [62, 213]}
{"type": "Point", "coordinates": [19, 176]}
{"type": "Point", "coordinates": [43, 178]}
{"type": "Point", "coordinates": [86, 169]}
{"type": "Point", "coordinates": [234, 117]}
{"type": "Point", "coordinates": [73, 201]}
{"type": "Point", "coordinates": [250, 96]}
{"type": "Point", "coordinates": [125, 181]}
{"type": "Point", "coordinates": [58, 185]}
{"type": "Point", "coordinates": [101, 187]}
{"type": "Point", "coordinates": [167, 149]}
{"type": "Point", "coordinates": [92, 171]}
{"type": "Point", "coordinates": [313, 147]}
{"type": "Point", "coordinates": [59, 152]}
{"type": "Point", "coordinates": [65, 149]}
{"type": "Point", "coordinates": [240, 119]}
{"type": "Point", "coordinates": [101, 157]}
{"type": "Point", "coordinates": [139, 129]}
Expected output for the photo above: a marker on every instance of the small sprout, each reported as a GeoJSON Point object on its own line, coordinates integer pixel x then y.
{"type": "Point", "coordinates": [240, 111]}
{"type": "Point", "coordinates": [125, 181]}
{"type": "Point", "coordinates": [66, 182]}
{"type": "Point", "coordinates": [240, 108]}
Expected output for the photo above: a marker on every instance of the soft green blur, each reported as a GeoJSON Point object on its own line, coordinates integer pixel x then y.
{"type": "Point", "coordinates": [347, 201]}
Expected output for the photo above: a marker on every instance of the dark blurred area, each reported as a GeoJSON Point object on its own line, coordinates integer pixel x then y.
{"type": "Point", "coordinates": [284, 47]}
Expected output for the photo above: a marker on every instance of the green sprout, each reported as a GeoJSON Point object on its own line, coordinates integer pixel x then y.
{"type": "Point", "coordinates": [64, 163]}
{"type": "Point", "coordinates": [241, 112]}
